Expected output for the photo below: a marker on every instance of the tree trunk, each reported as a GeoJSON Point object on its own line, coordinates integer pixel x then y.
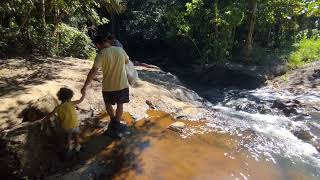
{"type": "Point", "coordinates": [215, 30]}
{"type": "Point", "coordinates": [43, 13]}
{"type": "Point", "coordinates": [25, 19]}
{"type": "Point", "coordinates": [112, 24]}
{"type": "Point", "coordinates": [251, 24]}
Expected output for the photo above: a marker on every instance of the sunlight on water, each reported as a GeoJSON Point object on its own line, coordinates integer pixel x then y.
{"type": "Point", "coordinates": [272, 138]}
{"type": "Point", "coordinates": [248, 115]}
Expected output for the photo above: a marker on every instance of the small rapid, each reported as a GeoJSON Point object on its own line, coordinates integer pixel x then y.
{"type": "Point", "coordinates": [273, 125]}
{"type": "Point", "coordinates": [271, 132]}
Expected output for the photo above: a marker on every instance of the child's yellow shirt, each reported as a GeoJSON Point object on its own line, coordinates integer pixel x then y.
{"type": "Point", "coordinates": [67, 115]}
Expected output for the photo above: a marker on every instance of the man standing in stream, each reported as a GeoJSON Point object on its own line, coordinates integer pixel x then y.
{"type": "Point", "coordinates": [115, 88]}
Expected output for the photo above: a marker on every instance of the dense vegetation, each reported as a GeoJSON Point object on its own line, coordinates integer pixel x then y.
{"type": "Point", "coordinates": [50, 27]}
{"type": "Point", "coordinates": [189, 31]}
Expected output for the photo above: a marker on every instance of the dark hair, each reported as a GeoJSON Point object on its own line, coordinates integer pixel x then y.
{"type": "Point", "coordinates": [111, 37]}
{"type": "Point", "coordinates": [65, 94]}
{"type": "Point", "coordinates": [98, 39]}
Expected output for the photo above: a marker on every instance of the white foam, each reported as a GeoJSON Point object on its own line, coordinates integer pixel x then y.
{"type": "Point", "coordinates": [273, 134]}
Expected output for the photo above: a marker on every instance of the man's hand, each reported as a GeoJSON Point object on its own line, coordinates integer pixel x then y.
{"type": "Point", "coordinates": [92, 73]}
{"type": "Point", "coordinates": [83, 90]}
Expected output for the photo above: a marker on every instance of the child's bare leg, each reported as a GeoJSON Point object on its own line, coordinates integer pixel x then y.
{"type": "Point", "coordinates": [69, 143]}
{"type": "Point", "coordinates": [76, 138]}
{"type": "Point", "coordinates": [77, 141]}
{"type": "Point", "coordinates": [110, 111]}
{"type": "Point", "coordinates": [119, 111]}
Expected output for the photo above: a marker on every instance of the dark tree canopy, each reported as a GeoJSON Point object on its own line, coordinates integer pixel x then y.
{"type": "Point", "coordinates": [191, 31]}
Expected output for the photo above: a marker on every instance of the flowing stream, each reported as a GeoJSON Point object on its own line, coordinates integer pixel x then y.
{"type": "Point", "coordinates": [230, 133]}
{"type": "Point", "coordinates": [285, 136]}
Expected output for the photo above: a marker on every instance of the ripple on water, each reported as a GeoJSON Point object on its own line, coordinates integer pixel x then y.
{"type": "Point", "coordinates": [271, 136]}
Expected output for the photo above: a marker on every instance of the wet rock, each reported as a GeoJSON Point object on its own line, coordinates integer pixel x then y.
{"type": "Point", "coordinates": [263, 109]}
{"type": "Point", "coordinates": [288, 111]}
{"type": "Point", "coordinates": [316, 73]}
{"type": "Point", "coordinates": [247, 107]}
{"type": "Point", "coordinates": [231, 74]}
{"type": "Point", "coordinates": [177, 126]}
{"type": "Point", "coordinates": [289, 108]}
{"type": "Point", "coordinates": [301, 117]}
{"type": "Point", "coordinates": [181, 117]}
{"type": "Point", "coordinates": [278, 104]}
{"type": "Point", "coordinates": [243, 104]}
{"type": "Point", "coordinates": [303, 135]}
{"type": "Point", "coordinates": [149, 103]}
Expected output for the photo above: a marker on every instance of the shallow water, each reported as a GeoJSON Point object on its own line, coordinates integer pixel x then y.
{"type": "Point", "coordinates": [273, 131]}
{"type": "Point", "coordinates": [236, 135]}
{"type": "Point", "coordinates": [271, 137]}
{"type": "Point", "coordinates": [203, 155]}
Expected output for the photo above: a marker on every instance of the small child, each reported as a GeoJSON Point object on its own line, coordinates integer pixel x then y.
{"type": "Point", "coordinates": [67, 116]}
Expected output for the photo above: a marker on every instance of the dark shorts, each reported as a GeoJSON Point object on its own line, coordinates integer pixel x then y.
{"type": "Point", "coordinates": [116, 97]}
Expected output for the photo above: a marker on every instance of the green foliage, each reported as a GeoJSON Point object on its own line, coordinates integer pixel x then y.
{"type": "Point", "coordinates": [210, 25]}
{"type": "Point", "coordinates": [50, 28]}
{"type": "Point", "coordinates": [72, 42]}
{"type": "Point", "coordinates": [67, 41]}
{"type": "Point", "coordinates": [307, 50]}
{"type": "Point", "coordinates": [10, 42]}
{"type": "Point", "coordinates": [313, 8]}
{"type": "Point", "coordinates": [42, 41]}
{"type": "Point", "coordinates": [202, 31]}
{"type": "Point", "coordinates": [219, 28]}
{"type": "Point", "coordinates": [262, 55]}
{"type": "Point", "coordinates": [145, 19]}
{"type": "Point", "coordinates": [309, 33]}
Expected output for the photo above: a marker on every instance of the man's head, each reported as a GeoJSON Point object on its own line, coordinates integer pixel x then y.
{"type": "Point", "coordinates": [100, 42]}
{"type": "Point", "coordinates": [111, 39]}
{"type": "Point", "coordinates": [65, 94]}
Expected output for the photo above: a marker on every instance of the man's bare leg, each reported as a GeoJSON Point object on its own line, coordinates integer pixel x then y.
{"type": "Point", "coordinates": [119, 111]}
{"type": "Point", "coordinates": [110, 111]}
{"type": "Point", "coordinates": [113, 125]}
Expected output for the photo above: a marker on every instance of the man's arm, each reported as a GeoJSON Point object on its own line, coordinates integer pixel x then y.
{"type": "Point", "coordinates": [78, 101]}
{"type": "Point", "coordinates": [127, 57]}
{"type": "Point", "coordinates": [92, 73]}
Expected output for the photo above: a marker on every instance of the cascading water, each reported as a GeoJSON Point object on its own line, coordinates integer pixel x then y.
{"type": "Point", "coordinates": [271, 132]}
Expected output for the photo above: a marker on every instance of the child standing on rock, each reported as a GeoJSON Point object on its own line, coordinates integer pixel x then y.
{"type": "Point", "coordinates": [67, 116]}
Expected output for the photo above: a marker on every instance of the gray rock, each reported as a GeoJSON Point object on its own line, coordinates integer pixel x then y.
{"type": "Point", "coordinates": [303, 135]}
{"type": "Point", "coordinates": [177, 126]}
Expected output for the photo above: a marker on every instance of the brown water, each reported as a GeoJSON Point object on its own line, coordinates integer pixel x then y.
{"type": "Point", "coordinates": [154, 152]}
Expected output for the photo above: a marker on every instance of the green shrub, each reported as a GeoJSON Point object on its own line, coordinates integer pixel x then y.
{"type": "Point", "coordinates": [72, 42]}
{"type": "Point", "coordinates": [306, 51]}
{"type": "Point", "coordinates": [15, 41]}
{"type": "Point", "coordinates": [262, 55]}
{"type": "Point", "coordinates": [67, 41]}
{"type": "Point", "coordinates": [307, 34]}
{"type": "Point", "coordinates": [42, 41]}
{"type": "Point", "coordinates": [12, 42]}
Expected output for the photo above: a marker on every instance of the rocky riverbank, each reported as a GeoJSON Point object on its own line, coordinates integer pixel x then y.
{"type": "Point", "coordinates": [239, 129]}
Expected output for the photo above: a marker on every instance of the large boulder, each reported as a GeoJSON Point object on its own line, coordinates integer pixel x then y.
{"type": "Point", "coordinates": [39, 108]}
{"type": "Point", "coordinates": [36, 152]}
{"type": "Point", "coordinates": [229, 74]}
